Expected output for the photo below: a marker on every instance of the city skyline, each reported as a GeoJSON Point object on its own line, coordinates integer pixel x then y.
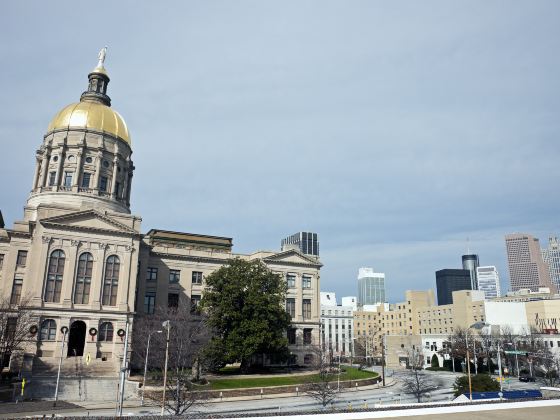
{"type": "Point", "coordinates": [329, 121]}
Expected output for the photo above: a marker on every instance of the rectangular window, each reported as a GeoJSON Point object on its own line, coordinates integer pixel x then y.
{"type": "Point", "coordinates": [86, 178]}
{"type": "Point", "coordinates": [306, 308]}
{"type": "Point", "coordinates": [197, 277]}
{"type": "Point", "coordinates": [151, 274]}
{"type": "Point", "coordinates": [173, 300]}
{"type": "Point", "coordinates": [21, 258]}
{"type": "Point", "coordinates": [306, 282]}
{"type": "Point", "coordinates": [67, 179]}
{"type": "Point", "coordinates": [149, 302]}
{"type": "Point", "coordinates": [52, 178]}
{"type": "Point", "coordinates": [103, 183]}
{"type": "Point", "coordinates": [1, 260]}
{"type": "Point", "coordinates": [174, 276]}
{"type": "Point", "coordinates": [117, 188]}
{"type": "Point", "coordinates": [307, 336]}
{"type": "Point", "coordinates": [16, 291]}
{"type": "Point", "coordinates": [291, 307]}
{"type": "Point", "coordinates": [291, 280]}
{"type": "Point", "coordinates": [195, 301]}
{"type": "Point", "coordinates": [291, 336]}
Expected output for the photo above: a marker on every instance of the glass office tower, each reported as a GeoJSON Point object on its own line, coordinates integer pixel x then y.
{"type": "Point", "coordinates": [371, 287]}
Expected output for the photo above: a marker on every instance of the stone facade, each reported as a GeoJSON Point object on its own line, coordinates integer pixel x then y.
{"type": "Point", "coordinates": [79, 260]}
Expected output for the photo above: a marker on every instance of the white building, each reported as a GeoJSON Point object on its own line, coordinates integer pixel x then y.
{"type": "Point", "coordinates": [488, 281]}
{"type": "Point", "coordinates": [336, 325]}
{"type": "Point", "coordinates": [350, 301]}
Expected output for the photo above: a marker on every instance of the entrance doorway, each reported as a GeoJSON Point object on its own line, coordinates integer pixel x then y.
{"type": "Point", "coordinates": [77, 339]}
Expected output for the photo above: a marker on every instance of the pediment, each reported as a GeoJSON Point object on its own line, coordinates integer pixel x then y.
{"type": "Point", "coordinates": [88, 220]}
{"type": "Point", "coordinates": [292, 256]}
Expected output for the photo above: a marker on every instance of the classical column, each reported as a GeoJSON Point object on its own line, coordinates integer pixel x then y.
{"type": "Point", "coordinates": [76, 180]}
{"type": "Point", "coordinates": [97, 171]}
{"type": "Point", "coordinates": [37, 169]}
{"type": "Point", "coordinates": [125, 280]}
{"type": "Point", "coordinates": [45, 167]}
{"type": "Point", "coordinates": [69, 273]}
{"type": "Point", "coordinates": [114, 180]}
{"type": "Point", "coordinates": [97, 276]}
{"type": "Point", "coordinates": [38, 295]}
{"type": "Point", "coordinates": [128, 187]}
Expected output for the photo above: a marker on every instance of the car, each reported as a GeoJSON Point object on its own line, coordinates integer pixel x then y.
{"type": "Point", "coordinates": [526, 379]}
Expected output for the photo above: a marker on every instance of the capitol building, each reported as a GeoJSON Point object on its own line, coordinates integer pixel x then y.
{"type": "Point", "coordinates": [79, 257]}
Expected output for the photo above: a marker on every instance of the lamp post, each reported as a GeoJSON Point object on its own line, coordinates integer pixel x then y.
{"type": "Point", "coordinates": [516, 359]}
{"type": "Point", "coordinates": [383, 358]}
{"type": "Point", "coordinates": [468, 364]}
{"type": "Point", "coordinates": [165, 324]}
{"type": "Point", "coordinates": [146, 364]}
{"type": "Point", "coordinates": [64, 331]}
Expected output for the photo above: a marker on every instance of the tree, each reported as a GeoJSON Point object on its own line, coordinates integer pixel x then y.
{"type": "Point", "coordinates": [479, 383]}
{"type": "Point", "coordinates": [15, 323]}
{"type": "Point", "coordinates": [548, 364]}
{"type": "Point", "coordinates": [414, 380]}
{"type": "Point", "coordinates": [188, 335]}
{"type": "Point", "coordinates": [435, 361]}
{"type": "Point", "coordinates": [244, 301]}
{"type": "Point", "coordinates": [322, 387]}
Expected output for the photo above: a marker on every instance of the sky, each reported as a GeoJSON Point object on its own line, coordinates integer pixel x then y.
{"type": "Point", "coordinates": [404, 133]}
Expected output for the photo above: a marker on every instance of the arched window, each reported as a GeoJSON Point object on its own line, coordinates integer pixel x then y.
{"type": "Point", "coordinates": [106, 331]}
{"type": "Point", "coordinates": [83, 278]}
{"type": "Point", "coordinates": [111, 281]}
{"type": "Point", "coordinates": [48, 330]}
{"type": "Point", "coordinates": [54, 276]}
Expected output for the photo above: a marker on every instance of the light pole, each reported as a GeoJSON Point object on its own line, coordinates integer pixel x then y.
{"type": "Point", "coordinates": [383, 358]}
{"type": "Point", "coordinates": [338, 380]}
{"type": "Point", "coordinates": [516, 359]}
{"type": "Point", "coordinates": [64, 331]}
{"type": "Point", "coordinates": [146, 364]}
{"type": "Point", "coordinates": [500, 367]}
{"type": "Point", "coordinates": [165, 324]}
{"type": "Point", "coordinates": [468, 364]}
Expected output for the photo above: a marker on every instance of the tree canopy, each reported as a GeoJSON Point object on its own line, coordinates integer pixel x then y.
{"type": "Point", "coordinates": [479, 383]}
{"type": "Point", "coordinates": [244, 302]}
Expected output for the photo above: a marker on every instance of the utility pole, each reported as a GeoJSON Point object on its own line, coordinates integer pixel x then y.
{"type": "Point", "coordinates": [63, 330]}
{"type": "Point", "coordinates": [123, 370]}
{"type": "Point", "coordinates": [166, 324]}
{"type": "Point", "coordinates": [383, 358]}
{"type": "Point", "coordinates": [468, 364]}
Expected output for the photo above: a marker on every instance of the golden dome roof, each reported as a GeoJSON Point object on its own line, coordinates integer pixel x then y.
{"type": "Point", "coordinates": [92, 116]}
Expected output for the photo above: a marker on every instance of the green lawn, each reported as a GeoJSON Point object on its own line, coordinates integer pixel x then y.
{"type": "Point", "coordinates": [349, 373]}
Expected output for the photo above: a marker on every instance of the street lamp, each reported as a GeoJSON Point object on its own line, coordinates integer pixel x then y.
{"type": "Point", "coordinates": [165, 324]}
{"type": "Point", "coordinates": [146, 364]}
{"type": "Point", "coordinates": [64, 331]}
{"type": "Point", "coordinates": [514, 344]}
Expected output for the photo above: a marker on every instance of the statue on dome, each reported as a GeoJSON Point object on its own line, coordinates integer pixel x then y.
{"type": "Point", "coordinates": [101, 56]}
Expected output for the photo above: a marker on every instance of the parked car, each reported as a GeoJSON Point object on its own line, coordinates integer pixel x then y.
{"type": "Point", "coordinates": [526, 379]}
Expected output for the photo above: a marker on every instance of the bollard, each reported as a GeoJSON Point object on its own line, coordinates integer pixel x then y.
{"type": "Point", "coordinates": [261, 393]}
{"type": "Point", "coordinates": [221, 396]}
{"type": "Point", "coordinates": [297, 391]}
{"type": "Point", "coordinates": [365, 404]}
{"type": "Point", "coordinates": [356, 386]}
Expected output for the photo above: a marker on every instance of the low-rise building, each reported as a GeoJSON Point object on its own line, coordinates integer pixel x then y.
{"type": "Point", "coordinates": [336, 326]}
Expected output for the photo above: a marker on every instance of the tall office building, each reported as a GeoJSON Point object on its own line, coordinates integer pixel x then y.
{"type": "Point", "coordinates": [306, 242]}
{"type": "Point", "coordinates": [527, 269]}
{"type": "Point", "coordinates": [371, 287]}
{"type": "Point", "coordinates": [551, 256]}
{"type": "Point", "coordinates": [489, 281]}
{"type": "Point", "coordinates": [470, 262]}
{"type": "Point", "coordinates": [450, 280]}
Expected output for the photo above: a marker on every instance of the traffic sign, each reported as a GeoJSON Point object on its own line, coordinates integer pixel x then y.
{"type": "Point", "coordinates": [522, 353]}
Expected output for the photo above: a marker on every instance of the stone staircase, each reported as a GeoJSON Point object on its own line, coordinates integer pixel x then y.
{"type": "Point", "coordinates": [74, 367]}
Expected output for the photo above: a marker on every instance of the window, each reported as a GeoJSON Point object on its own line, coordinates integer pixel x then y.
{"type": "Point", "coordinates": [291, 307]}
{"type": "Point", "coordinates": [291, 280]}
{"type": "Point", "coordinates": [195, 301]}
{"type": "Point", "coordinates": [103, 183]}
{"type": "Point", "coordinates": [86, 179]}
{"type": "Point", "coordinates": [48, 330]}
{"type": "Point", "coordinates": [306, 282]}
{"type": "Point", "coordinates": [291, 336]}
{"type": "Point", "coordinates": [149, 302]}
{"type": "Point", "coordinates": [16, 291]}
{"type": "Point", "coordinates": [106, 331]}
{"type": "Point", "coordinates": [197, 277]}
{"type": "Point", "coordinates": [174, 276]}
{"type": "Point", "coordinates": [306, 309]}
{"type": "Point", "coordinates": [21, 258]}
{"type": "Point", "coordinates": [117, 188]}
{"type": "Point", "coordinates": [11, 329]}
{"type": "Point", "coordinates": [1, 260]}
{"type": "Point", "coordinates": [52, 178]}
{"type": "Point", "coordinates": [111, 281]}
{"type": "Point", "coordinates": [83, 278]}
{"type": "Point", "coordinates": [307, 336]}
{"type": "Point", "coordinates": [67, 179]}
{"type": "Point", "coordinates": [173, 300]}
{"type": "Point", "coordinates": [54, 276]}
{"type": "Point", "coordinates": [151, 274]}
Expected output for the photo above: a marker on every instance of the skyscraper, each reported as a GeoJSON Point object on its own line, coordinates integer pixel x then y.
{"type": "Point", "coordinates": [470, 262]}
{"type": "Point", "coordinates": [489, 281]}
{"type": "Point", "coordinates": [306, 242]}
{"type": "Point", "coordinates": [450, 280]}
{"type": "Point", "coordinates": [527, 269]}
{"type": "Point", "coordinates": [551, 256]}
{"type": "Point", "coordinates": [371, 287]}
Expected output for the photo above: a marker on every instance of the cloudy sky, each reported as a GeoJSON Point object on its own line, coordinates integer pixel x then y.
{"type": "Point", "coordinates": [394, 129]}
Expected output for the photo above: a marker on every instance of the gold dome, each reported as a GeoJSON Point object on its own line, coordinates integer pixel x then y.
{"type": "Point", "coordinates": [92, 116]}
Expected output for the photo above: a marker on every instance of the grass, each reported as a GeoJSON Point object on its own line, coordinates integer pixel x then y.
{"type": "Point", "coordinates": [349, 373]}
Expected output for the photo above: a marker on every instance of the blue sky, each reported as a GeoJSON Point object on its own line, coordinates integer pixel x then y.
{"type": "Point", "coordinates": [396, 129]}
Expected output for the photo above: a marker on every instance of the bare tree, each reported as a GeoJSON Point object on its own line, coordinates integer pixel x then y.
{"type": "Point", "coordinates": [188, 335]}
{"type": "Point", "coordinates": [548, 364]}
{"type": "Point", "coordinates": [16, 322]}
{"type": "Point", "coordinates": [322, 387]}
{"type": "Point", "coordinates": [414, 380]}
